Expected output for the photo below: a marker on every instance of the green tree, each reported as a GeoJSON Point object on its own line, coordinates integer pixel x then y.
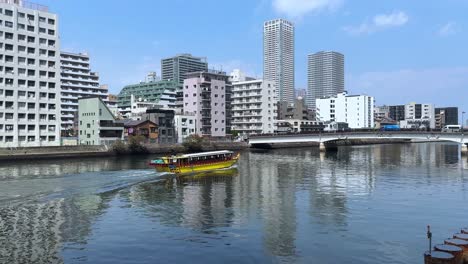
{"type": "Point", "coordinates": [193, 143]}
{"type": "Point", "coordinates": [136, 144]}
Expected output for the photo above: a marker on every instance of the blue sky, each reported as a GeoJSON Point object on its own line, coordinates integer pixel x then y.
{"type": "Point", "coordinates": [396, 50]}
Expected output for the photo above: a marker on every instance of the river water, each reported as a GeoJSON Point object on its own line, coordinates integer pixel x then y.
{"type": "Point", "coordinates": [364, 204]}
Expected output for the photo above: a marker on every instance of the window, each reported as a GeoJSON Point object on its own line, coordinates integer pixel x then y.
{"type": "Point", "coordinates": [51, 21]}
{"type": "Point", "coordinates": [51, 32]}
{"type": "Point", "coordinates": [21, 37]}
{"type": "Point", "coordinates": [8, 24]}
{"type": "Point", "coordinates": [21, 15]}
{"type": "Point", "coordinates": [30, 28]}
{"type": "Point", "coordinates": [42, 19]}
{"type": "Point", "coordinates": [21, 26]}
{"type": "Point", "coordinates": [42, 41]}
{"type": "Point", "coordinates": [42, 30]}
{"type": "Point", "coordinates": [31, 39]}
{"type": "Point", "coordinates": [8, 35]}
{"type": "Point", "coordinates": [8, 12]}
{"type": "Point", "coordinates": [31, 17]}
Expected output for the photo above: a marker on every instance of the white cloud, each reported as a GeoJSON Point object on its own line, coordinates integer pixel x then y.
{"type": "Point", "coordinates": [378, 23]}
{"type": "Point", "coordinates": [451, 28]}
{"type": "Point", "coordinates": [298, 8]}
{"type": "Point", "coordinates": [440, 86]}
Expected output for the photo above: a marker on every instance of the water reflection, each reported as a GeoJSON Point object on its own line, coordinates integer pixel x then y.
{"type": "Point", "coordinates": [281, 200]}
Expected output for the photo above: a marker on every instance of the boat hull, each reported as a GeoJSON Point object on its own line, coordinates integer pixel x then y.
{"type": "Point", "coordinates": [196, 168]}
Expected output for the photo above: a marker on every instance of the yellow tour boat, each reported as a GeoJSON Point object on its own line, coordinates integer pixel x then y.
{"type": "Point", "coordinates": [198, 162]}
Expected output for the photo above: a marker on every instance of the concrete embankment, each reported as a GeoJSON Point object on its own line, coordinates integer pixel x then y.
{"type": "Point", "coordinates": [102, 151]}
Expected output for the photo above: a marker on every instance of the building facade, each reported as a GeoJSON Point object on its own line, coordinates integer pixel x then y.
{"type": "Point", "coordinates": [185, 125]}
{"type": "Point", "coordinates": [356, 110]}
{"type": "Point", "coordinates": [77, 81]}
{"type": "Point", "coordinates": [278, 57]}
{"type": "Point", "coordinates": [30, 76]}
{"type": "Point", "coordinates": [164, 119]}
{"type": "Point", "coordinates": [418, 116]}
{"type": "Point", "coordinates": [204, 95]}
{"type": "Point", "coordinates": [298, 126]}
{"type": "Point", "coordinates": [254, 107]}
{"type": "Point", "coordinates": [176, 68]}
{"type": "Point", "coordinates": [325, 76]}
{"type": "Point", "coordinates": [396, 112]}
{"type": "Point", "coordinates": [97, 124]}
{"type": "Point", "coordinates": [446, 116]}
{"type": "Point", "coordinates": [298, 110]}
{"type": "Point", "coordinates": [161, 93]}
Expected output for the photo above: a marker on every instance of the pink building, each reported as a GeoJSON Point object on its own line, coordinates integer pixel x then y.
{"type": "Point", "coordinates": [205, 97]}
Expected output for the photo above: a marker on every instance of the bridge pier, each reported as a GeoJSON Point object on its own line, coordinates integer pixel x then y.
{"type": "Point", "coordinates": [464, 149]}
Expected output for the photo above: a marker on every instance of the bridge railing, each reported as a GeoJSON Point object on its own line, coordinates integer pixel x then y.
{"type": "Point", "coordinates": [360, 131]}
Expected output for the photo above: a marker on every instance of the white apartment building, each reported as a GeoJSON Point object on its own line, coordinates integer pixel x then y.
{"type": "Point", "coordinates": [254, 107]}
{"type": "Point", "coordinates": [356, 110]}
{"type": "Point", "coordinates": [77, 81]}
{"type": "Point", "coordinates": [185, 125]}
{"type": "Point", "coordinates": [30, 76]}
{"type": "Point", "coordinates": [418, 116]}
{"type": "Point", "coordinates": [278, 57]}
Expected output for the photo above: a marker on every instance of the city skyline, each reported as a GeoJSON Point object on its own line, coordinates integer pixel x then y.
{"type": "Point", "coordinates": [386, 44]}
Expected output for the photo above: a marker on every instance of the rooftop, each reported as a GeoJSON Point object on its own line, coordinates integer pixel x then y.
{"type": "Point", "coordinates": [26, 4]}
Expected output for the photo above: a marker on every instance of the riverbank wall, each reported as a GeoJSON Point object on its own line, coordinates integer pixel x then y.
{"type": "Point", "coordinates": [60, 152]}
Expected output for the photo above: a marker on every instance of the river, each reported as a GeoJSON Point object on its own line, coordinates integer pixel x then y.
{"type": "Point", "coordinates": [362, 204]}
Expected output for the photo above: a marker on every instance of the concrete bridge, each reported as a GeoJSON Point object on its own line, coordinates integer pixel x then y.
{"type": "Point", "coordinates": [329, 140]}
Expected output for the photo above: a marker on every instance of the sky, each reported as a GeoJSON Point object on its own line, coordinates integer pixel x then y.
{"type": "Point", "coordinates": [398, 51]}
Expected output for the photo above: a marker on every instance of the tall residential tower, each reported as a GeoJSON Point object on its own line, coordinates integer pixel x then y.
{"type": "Point", "coordinates": [278, 57]}
{"type": "Point", "coordinates": [325, 76]}
{"type": "Point", "coordinates": [30, 76]}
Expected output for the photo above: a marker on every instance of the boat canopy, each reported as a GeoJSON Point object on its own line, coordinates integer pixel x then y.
{"type": "Point", "coordinates": [202, 154]}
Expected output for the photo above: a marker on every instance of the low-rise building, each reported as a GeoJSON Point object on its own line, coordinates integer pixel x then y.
{"type": "Point", "coordinates": [254, 107]}
{"type": "Point", "coordinates": [356, 110]}
{"type": "Point", "coordinates": [298, 110]}
{"type": "Point", "coordinates": [145, 128]}
{"type": "Point", "coordinates": [185, 125]}
{"type": "Point", "coordinates": [97, 124]}
{"type": "Point", "coordinates": [446, 116]}
{"type": "Point", "coordinates": [418, 116]}
{"type": "Point", "coordinates": [164, 119]}
{"type": "Point", "coordinates": [298, 126]}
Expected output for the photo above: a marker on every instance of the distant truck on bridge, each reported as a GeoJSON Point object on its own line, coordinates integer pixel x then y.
{"type": "Point", "coordinates": [390, 128]}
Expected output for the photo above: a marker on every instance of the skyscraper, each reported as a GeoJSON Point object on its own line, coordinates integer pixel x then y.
{"type": "Point", "coordinates": [325, 75]}
{"type": "Point", "coordinates": [278, 57]}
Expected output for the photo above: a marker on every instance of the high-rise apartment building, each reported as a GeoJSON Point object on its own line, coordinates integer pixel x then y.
{"type": "Point", "coordinates": [254, 107]}
{"type": "Point", "coordinates": [30, 76]}
{"type": "Point", "coordinates": [176, 68]}
{"type": "Point", "coordinates": [278, 57]}
{"type": "Point", "coordinates": [205, 97]}
{"type": "Point", "coordinates": [325, 76]}
{"type": "Point", "coordinates": [77, 81]}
